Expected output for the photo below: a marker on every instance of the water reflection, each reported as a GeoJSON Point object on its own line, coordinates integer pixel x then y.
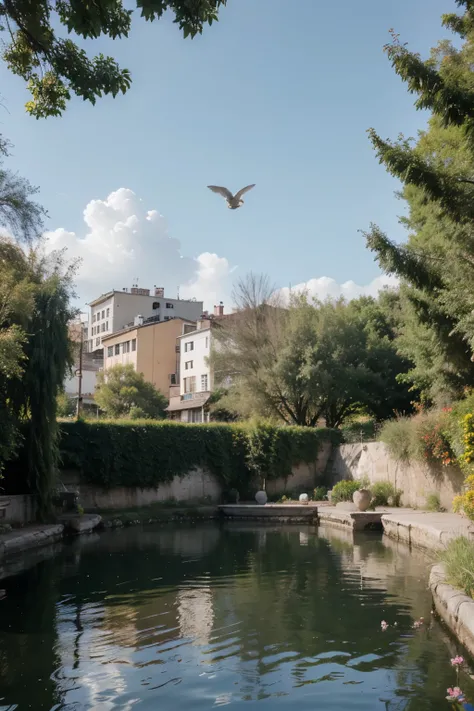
{"type": "Point", "coordinates": [205, 616]}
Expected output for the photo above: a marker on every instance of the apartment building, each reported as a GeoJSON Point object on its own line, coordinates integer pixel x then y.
{"type": "Point", "coordinates": [152, 348]}
{"type": "Point", "coordinates": [116, 310]}
{"type": "Point", "coordinates": [188, 400]}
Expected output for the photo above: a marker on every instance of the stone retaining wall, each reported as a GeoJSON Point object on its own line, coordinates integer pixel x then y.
{"type": "Point", "coordinates": [416, 480]}
{"type": "Point", "coordinates": [454, 607]}
{"type": "Point", "coordinates": [198, 485]}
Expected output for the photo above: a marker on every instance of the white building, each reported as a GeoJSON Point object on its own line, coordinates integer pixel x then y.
{"type": "Point", "coordinates": [117, 310]}
{"type": "Point", "coordinates": [188, 400]}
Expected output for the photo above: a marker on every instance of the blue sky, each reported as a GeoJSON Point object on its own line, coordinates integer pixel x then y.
{"type": "Point", "coordinates": [277, 93]}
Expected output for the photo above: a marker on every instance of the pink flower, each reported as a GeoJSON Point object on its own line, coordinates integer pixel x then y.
{"type": "Point", "coordinates": [384, 625]}
{"type": "Point", "coordinates": [457, 661]}
{"type": "Point", "coordinates": [454, 694]}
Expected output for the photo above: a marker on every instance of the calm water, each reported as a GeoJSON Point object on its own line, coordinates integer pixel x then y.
{"type": "Point", "coordinates": [194, 618]}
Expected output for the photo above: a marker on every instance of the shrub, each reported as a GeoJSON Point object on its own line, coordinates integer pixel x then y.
{"type": "Point", "coordinates": [364, 431]}
{"type": "Point", "coordinates": [397, 436]}
{"type": "Point", "coordinates": [382, 491]}
{"type": "Point", "coordinates": [344, 490]}
{"type": "Point", "coordinates": [320, 493]}
{"type": "Point", "coordinates": [424, 437]}
{"type": "Point", "coordinates": [458, 559]}
{"type": "Point", "coordinates": [433, 503]}
{"type": "Point", "coordinates": [146, 453]}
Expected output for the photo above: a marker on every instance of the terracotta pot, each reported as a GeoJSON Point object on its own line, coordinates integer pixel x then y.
{"type": "Point", "coordinates": [362, 499]}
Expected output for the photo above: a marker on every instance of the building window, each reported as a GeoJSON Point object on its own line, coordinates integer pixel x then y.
{"type": "Point", "coordinates": [110, 351]}
{"type": "Point", "coordinates": [204, 382]}
{"type": "Point", "coordinates": [126, 346]}
{"type": "Point", "coordinates": [188, 365]}
{"type": "Point", "coordinates": [155, 305]}
{"type": "Point", "coordinates": [103, 314]}
{"type": "Point", "coordinates": [106, 325]}
{"type": "Point", "coordinates": [207, 341]}
{"type": "Point", "coordinates": [190, 384]}
{"type": "Point", "coordinates": [117, 349]}
{"type": "Point", "coordinates": [103, 327]}
{"type": "Point", "coordinates": [97, 341]}
{"type": "Point", "coordinates": [134, 344]}
{"type": "Point", "coordinates": [108, 313]}
{"type": "Point", "coordinates": [93, 319]}
{"type": "Point", "coordinates": [195, 415]}
{"type": "Point", "coordinates": [189, 346]}
{"type": "Point", "coordinates": [169, 306]}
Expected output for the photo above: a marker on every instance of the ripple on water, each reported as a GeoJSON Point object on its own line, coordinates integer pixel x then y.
{"type": "Point", "coordinates": [153, 621]}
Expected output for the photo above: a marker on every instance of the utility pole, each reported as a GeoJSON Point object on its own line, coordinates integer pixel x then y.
{"type": "Point", "coordinates": [79, 374]}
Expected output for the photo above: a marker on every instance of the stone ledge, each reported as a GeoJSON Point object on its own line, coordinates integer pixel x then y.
{"type": "Point", "coordinates": [430, 531]}
{"type": "Point", "coordinates": [454, 607]}
{"type": "Point", "coordinates": [347, 518]}
{"type": "Point", "coordinates": [30, 537]}
{"type": "Point", "coordinates": [74, 524]}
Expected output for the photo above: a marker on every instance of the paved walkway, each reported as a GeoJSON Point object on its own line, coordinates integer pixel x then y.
{"type": "Point", "coordinates": [425, 529]}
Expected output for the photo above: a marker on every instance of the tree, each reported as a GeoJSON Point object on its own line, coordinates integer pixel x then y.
{"type": "Point", "coordinates": [20, 215]}
{"type": "Point", "coordinates": [122, 392]}
{"type": "Point", "coordinates": [55, 68]}
{"type": "Point", "coordinates": [308, 360]}
{"type": "Point", "coordinates": [35, 296]}
{"type": "Point", "coordinates": [436, 265]}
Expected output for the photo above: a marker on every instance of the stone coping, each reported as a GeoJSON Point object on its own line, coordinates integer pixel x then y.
{"type": "Point", "coordinates": [431, 531]}
{"type": "Point", "coordinates": [454, 607]}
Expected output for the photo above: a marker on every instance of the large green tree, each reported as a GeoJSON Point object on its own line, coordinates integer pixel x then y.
{"type": "Point", "coordinates": [305, 361]}
{"type": "Point", "coordinates": [436, 265]}
{"type": "Point", "coordinates": [122, 392]}
{"type": "Point", "coordinates": [55, 67]}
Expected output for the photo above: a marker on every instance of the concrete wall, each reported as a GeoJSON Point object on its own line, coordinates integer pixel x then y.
{"type": "Point", "coordinates": [416, 480]}
{"type": "Point", "coordinates": [20, 510]}
{"type": "Point", "coordinates": [304, 477]}
{"type": "Point", "coordinates": [195, 486]}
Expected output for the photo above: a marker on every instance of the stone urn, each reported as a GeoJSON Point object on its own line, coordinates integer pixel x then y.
{"type": "Point", "coordinates": [304, 498]}
{"type": "Point", "coordinates": [261, 498]}
{"type": "Point", "coordinates": [362, 499]}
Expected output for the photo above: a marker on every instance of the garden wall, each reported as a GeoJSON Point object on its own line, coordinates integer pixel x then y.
{"type": "Point", "coordinates": [416, 480]}
{"type": "Point", "coordinates": [196, 486]}
{"type": "Point", "coordinates": [304, 477]}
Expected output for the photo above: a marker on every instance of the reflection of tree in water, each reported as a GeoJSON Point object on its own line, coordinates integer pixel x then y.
{"type": "Point", "coordinates": [28, 642]}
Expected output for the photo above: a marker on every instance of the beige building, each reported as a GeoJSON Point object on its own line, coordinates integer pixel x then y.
{"type": "Point", "coordinates": [151, 349]}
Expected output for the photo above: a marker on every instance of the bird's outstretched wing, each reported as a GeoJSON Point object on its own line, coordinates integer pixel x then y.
{"type": "Point", "coordinates": [243, 191]}
{"type": "Point", "coordinates": [222, 191]}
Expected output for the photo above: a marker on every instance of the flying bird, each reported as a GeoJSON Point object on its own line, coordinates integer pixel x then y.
{"type": "Point", "coordinates": [233, 201]}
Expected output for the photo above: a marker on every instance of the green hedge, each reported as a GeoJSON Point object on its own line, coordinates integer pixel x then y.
{"type": "Point", "coordinates": [145, 454]}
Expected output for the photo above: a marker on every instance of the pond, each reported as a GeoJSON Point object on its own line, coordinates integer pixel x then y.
{"type": "Point", "coordinates": [200, 617]}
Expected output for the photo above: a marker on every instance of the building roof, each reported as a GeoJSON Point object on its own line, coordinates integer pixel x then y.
{"type": "Point", "coordinates": [109, 294]}
{"type": "Point", "coordinates": [199, 400]}
{"type": "Point", "coordinates": [144, 325]}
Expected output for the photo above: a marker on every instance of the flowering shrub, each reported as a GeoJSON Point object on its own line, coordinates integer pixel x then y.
{"type": "Point", "coordinates": [434, 442]}
{"type": "Point", "coordinates": [465, 502]}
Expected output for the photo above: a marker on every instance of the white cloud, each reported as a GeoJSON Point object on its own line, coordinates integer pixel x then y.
{"type": "Point", "coordinates": [324, 288]}
{"type": "Point", "coordinates": [123, 241]}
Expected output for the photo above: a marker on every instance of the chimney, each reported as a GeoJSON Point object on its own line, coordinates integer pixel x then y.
{"type": "Point", "coordinates": [138, 320]}
{"type": "Point", "coordinates": [219, 310]}
{"type": "Point", "coordinates": [159, 292]}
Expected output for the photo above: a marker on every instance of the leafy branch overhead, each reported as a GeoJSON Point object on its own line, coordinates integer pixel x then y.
{"type": "Point", "coordinates": [55, 68]}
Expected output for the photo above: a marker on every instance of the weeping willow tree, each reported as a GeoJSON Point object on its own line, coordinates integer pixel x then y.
{"type": "Point", "coordinates": [35, 351]}
{"type": "Point", "coordinates": [48, 357]}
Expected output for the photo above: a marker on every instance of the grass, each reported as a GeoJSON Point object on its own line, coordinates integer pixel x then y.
{"type": "Point", "coordinates": [458, 559]}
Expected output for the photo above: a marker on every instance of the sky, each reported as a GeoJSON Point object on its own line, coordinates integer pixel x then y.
{"type": "Point", "coordinates": [279, 94]}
